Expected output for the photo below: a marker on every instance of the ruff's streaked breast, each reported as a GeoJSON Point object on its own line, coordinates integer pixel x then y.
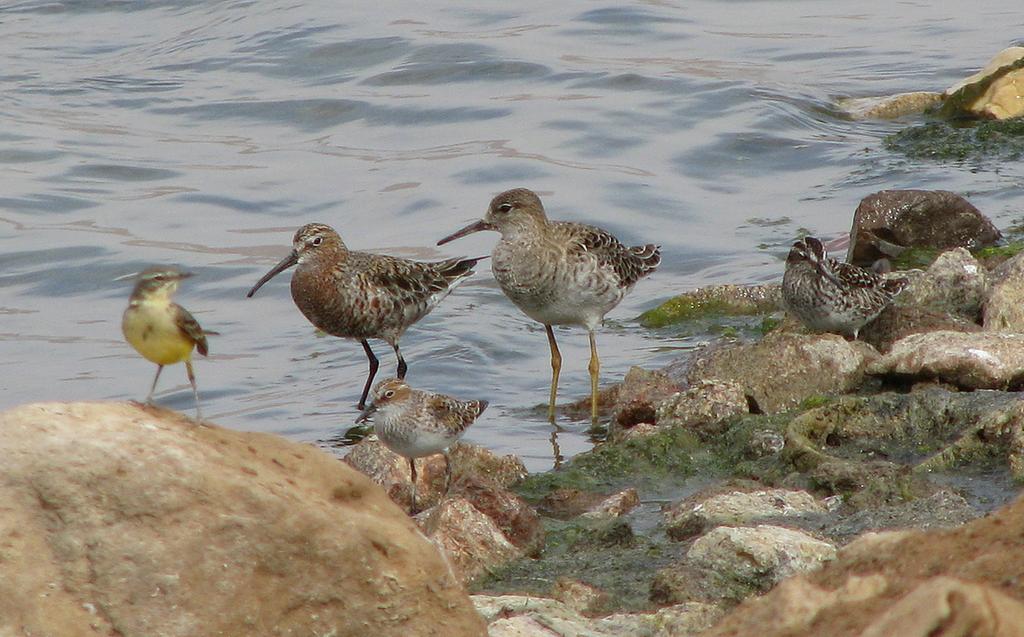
{"type": "Point", "coordinates": [560, 273]}
{"type": "Point", "coordinates": [361, 295]}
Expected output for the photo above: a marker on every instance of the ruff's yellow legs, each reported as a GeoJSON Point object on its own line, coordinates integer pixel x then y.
{"type": "Point", "coordinates": [556, 367]}
{"type": "Point", "coordinates": [595, 369]}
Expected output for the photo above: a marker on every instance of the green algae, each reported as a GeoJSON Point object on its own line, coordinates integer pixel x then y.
{"type": "Point", "coordinates": [1001, 140]}
{"type": "Point", "coordinates": [647, 460]}
{"type": "Point", "coordinates": [994, 255]}
{"type": "Point", "coordinates": [818, 400]}
{"type": "Point", "coordinates": [711, 302]}
{"type": "Point", "coordinates": [915, 258]}
{"type": "Point", "coordinates": [683, 308]}
{"type": "Point", "coordinates": [768, 324]}
{"type": "Point", "coordinates": [595, 552]}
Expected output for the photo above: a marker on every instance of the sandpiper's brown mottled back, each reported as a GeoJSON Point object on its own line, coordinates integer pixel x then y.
{"type": "Point", "coordinates": [160, 329]}
{"type": "Point", "coordinates": [560, 273]}
{"type": "Point", "coordinates": [415, 423]}
{"type": "Point", "coordinates": [831, 296]}
{"type": "Point", "coordinates": [360, 295]}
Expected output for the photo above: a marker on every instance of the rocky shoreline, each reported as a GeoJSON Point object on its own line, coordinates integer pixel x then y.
{"type": "Point", "coordinates": [778, 483]}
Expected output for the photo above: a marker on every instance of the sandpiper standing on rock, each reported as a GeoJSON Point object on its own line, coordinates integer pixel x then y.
{"type": "Point", "coordinates": [361, 295]}
{"type": "Point", "coordinates": [415, 423]}
{"type": "Point", "coordinates": [560, 273]}
{"type": "Point", "coordinates": [831, 296]}
{"type": "Point", "coordinates": [160, 329]}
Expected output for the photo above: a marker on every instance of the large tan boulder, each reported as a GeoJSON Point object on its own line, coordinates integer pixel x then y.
{"type": "Point", "coordinates": [998, 89]}
{"type": "Point", "coordinates": [117, 519]}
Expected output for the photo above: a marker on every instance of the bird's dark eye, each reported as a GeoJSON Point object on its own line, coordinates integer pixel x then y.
{"type": "Point", "coordinates": [317, 241]}
{"type": "Point", "coordinates": [505, 207]}
{"type": "Point", "coordinates": [389, 393]}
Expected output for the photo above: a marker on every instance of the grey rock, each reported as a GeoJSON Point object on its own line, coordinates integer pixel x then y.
{"type": "Point", "coordinates": [527, 616]}
{"type": "Point", "coordinates": [948, 295]}
{"type": "Point", "coordinates": [763, 555]}
{"type": "Point", "coordinates": [703, 406]}
{"type": "Point", "coordinates": [955, 283]}
{"type": "Point", "coordinates": [738, 508]}
{"type": "Point", "coordinates": [1004, 306]}
{"type": "Point", "coordinates": [984, 360]}
{"type": "Point", "coordinates": [783, 369]}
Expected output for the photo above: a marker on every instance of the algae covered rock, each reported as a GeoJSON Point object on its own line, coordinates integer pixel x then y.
{"type": "Point", "coordinates": [1004, 305]}
{"type": "Point", "coordinates": [889, 106]}
{"type": "Point", "coordinates": [994, 92]}
{"type": "Point", "coordinates": [879, 450]}
{"type": "Point", "coordinates": [781, 370]}
{"type": "Point", "coordinates": [889, 222]}
{"type": "Point", "coordinates": [703, 406]}
{"type": "Point", "coordinates": [715, 300]}
{"type": "Point", "coordinates": [123, 520]}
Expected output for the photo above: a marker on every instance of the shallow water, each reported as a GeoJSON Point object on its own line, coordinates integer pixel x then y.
{"type": "Point", "coordinates": [203, 134]}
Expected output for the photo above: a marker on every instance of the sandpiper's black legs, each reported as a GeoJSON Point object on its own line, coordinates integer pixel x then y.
{"type": "Point", "coordinates": [412, 475]}
{"type": "Point", "coordinates": [402, 367]}
{"type": "Point", "coordinates": [374, 364]}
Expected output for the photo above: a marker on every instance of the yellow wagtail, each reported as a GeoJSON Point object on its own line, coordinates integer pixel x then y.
{"type": "Point", "coordinates": [160, 329]}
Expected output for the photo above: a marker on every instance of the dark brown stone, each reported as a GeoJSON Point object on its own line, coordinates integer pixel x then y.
{"type": "Point", "coordinates": [891, 220]}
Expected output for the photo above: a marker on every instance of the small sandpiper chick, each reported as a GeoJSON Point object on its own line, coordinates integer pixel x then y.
{"type": "Point", "coordinates": [415, 423]}
{"type": "Point", "coordinates": [360, 295]}
{"type": "Point", "coordinates": [831, 296]}
{"type": "Point", "coordinates": [560, 273]}
{"type": "Point", "coordinates": [160, 329]}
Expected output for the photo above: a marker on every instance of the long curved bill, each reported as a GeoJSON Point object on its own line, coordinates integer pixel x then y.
{"type": "Point", "coordinates": [476, 226]}
{"type": "Point", "coordinates": [285, 263]}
